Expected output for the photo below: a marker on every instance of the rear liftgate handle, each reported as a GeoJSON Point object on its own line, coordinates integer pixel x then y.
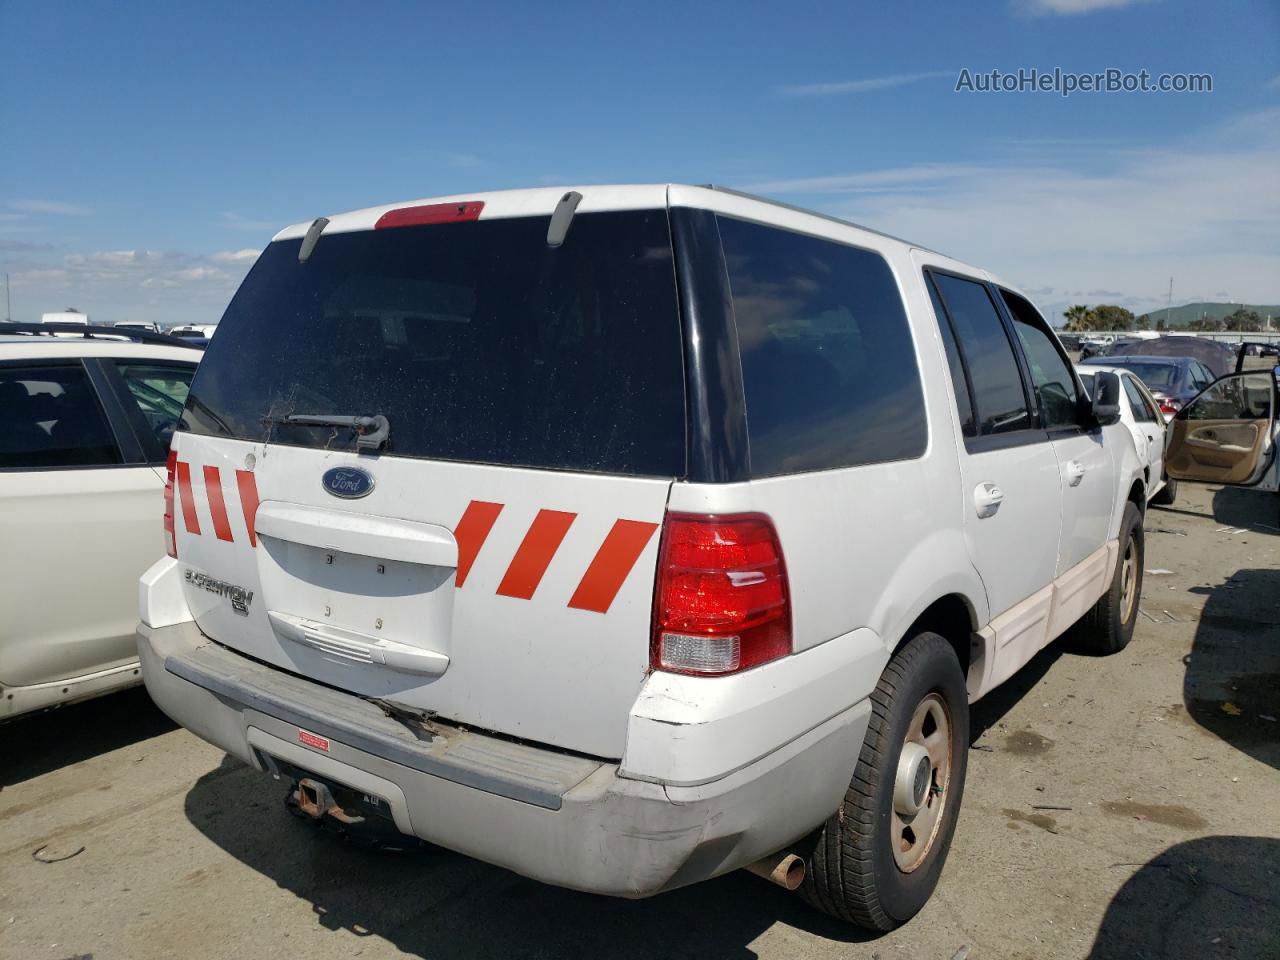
{"type": "Point", "coordinates": [987, 498]}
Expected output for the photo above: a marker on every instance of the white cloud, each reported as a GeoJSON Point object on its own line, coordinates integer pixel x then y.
{"type": "Point", "coordinates": [235, 221]}
{"type": "Point", "coordinates": [1071, 7]}
{"type": "Point", "coordinates": [23, 246]}
{"type": "Point", "coordinates": [860, 86]}
{"type": "Point", "coordinates": [50, 206]}
{"type": "Point", "coordinates": [247, 255]}
{"type": "Point", "coordinates": [163, 286]}
{"type": "Point", "coordinates": [1206, 212]}
{"type": "Point", "coordinates": [918, 176]}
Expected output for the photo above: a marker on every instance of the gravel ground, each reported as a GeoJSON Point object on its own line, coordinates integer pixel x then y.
{"type": "Point", "coordinates": [1124, 807]}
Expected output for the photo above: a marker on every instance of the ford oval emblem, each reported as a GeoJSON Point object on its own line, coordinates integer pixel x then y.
{"type": "Point", "coordinates": [349, 483]}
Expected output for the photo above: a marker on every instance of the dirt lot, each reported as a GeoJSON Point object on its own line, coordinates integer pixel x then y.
{"type": "Point", "coordinates": [1166, 759]}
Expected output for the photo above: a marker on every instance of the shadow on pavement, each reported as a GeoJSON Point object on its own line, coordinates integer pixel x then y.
{"type": "Point", "coordinates": [42, 742]}
{"type": "Point", "coordinates": [993, 707]}
{"type": "Point", "coordinates": [1206, 898]}
{"type": "Point", "coordinates": [445, 905]}
{"type": "Point", "coordinates": [1232, 684]}
{"type": "Point", "coordinates": [1239, 507]}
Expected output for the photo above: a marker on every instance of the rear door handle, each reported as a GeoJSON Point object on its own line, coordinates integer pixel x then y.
{"type": "Point", "coordinates": [987, 498]}
{"type": "Point", "coordinates": [1075, 473]}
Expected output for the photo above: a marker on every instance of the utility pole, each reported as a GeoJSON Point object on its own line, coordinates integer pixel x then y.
{"type": "Point", "coordinates": [1168, 306]}
{"type": "Point", "coordinates": [8, 310]}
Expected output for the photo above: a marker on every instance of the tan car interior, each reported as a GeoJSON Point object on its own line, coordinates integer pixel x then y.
{"type": "Point", "coordinates": [1224, 436]}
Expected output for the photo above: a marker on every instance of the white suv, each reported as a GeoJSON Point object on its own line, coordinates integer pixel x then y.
{"type": "Point", "coordinates": [85, 422]}
{"type": "Point", "coordinates": [626, 536]}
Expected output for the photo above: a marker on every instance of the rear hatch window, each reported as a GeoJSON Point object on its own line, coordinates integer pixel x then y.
{"type": "Point", "coordinates": [476, 340]}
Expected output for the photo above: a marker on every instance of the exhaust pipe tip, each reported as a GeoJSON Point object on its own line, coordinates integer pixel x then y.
{"type": "Point", "coordinates": [784, 869]}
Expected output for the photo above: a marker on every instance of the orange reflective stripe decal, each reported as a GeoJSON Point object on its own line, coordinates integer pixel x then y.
{"type": "Point", "coordinates": [217, 505]}
{"type": "Point", "coordinates": [188, 500]}
{"type": "Point", "coordinates": [534, 556]}
{"type": "Point", "coordinates": [248, 487]}
{"type": "Point", "coordinates": [471, 532]}
{"type": "Point", "coordinates": [611, 564]}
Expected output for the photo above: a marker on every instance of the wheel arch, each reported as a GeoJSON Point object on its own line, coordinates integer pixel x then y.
{"type": "Point", "coordinates": [955, 617]}
{"type": "Point", "coordinates": [1138, 494]}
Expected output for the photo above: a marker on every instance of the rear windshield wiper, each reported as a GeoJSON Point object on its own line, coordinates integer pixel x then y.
{"type": "Point", "coordinates": [371, 432]}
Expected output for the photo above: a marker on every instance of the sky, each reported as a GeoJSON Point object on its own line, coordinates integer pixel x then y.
{"type": "Point", "coordinates": [148, 153]}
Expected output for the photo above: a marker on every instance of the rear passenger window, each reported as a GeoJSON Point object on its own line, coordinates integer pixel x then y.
{"type": "Point", "coordinates": [993, 371]}
{"type": "Point", "coordinates": [1141, 412]}
{"type": "Point", "coordinates": [159, 390]}
{"type": "Point", "coordinates": [959, 380]}
{"type": "Point", "coordinates": [1050, 375]}
{"type": "Point", "coordinates": [828, 364]}
{"type": "Point", "coordinates": [50, 417]}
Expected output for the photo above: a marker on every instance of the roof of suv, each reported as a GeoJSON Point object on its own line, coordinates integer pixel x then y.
{"type": "Point", "coordinates": [20, 347]}
{"type": "Point", "coordinates": [542, 201]}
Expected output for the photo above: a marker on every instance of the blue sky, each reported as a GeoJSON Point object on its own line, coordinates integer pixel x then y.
{"type": "Point", "coordinates": [147, 154]}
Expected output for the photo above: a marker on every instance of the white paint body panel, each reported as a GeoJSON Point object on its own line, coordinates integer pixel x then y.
{"type": "Point", "coordinates": [76, 542]}
{"type": "Point", "coordinates": [1088, 486]}
{"type": "Point", "coordinates": [535, 669]}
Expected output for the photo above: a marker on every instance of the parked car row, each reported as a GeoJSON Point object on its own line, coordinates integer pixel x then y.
{"type": "Point", "coordinates": [622, 537]}
{"type": "Point", "coordinates": [1172, 380]}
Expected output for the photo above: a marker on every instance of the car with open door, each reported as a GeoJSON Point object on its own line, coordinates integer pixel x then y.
{"type": "Point", "coordinates": [1228, 434]}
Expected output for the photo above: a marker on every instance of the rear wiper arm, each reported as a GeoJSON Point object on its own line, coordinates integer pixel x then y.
{"type": "Point", "coordinates": [371, 432]}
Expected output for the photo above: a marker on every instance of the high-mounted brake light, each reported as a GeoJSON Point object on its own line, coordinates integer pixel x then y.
{"type": "Point", "coordinates": [722, 601]}
{"type": "Point", "coordinates": [430, 213]}
{"type": "Point", "coordinates": [170, 541]}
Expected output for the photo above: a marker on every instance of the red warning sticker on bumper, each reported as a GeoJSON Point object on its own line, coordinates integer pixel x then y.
{"type": "Point", "coordinates": [313, 740]}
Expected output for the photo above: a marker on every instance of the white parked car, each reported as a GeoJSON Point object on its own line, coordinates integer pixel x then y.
{"type": "Point", "coordinates": [627, 536]}
{"type": "Point", "coordinates": [145, 325]}
{"type": "Point", "coordinates": [193, 330]}
{"type": "Point", "coordinates": [84, 429]}
{"type": "Point", "coordinates": [1140, 412]}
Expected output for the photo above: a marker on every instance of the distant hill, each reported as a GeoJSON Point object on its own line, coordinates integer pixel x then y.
{"type": "Point", "coordinates": [1180, 317]}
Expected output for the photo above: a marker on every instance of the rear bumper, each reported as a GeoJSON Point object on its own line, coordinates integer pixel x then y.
{"type": "Point", "coordinates": [561, 819]}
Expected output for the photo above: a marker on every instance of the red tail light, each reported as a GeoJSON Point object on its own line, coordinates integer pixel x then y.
{"type": "Point", "coordinates": [722, 602]}
{"type": "Point", "coordinates": [1169, 407]}
{"type": "Point", "coordinates": [170, 541]}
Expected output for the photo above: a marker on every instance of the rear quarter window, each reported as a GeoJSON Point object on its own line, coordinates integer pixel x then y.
{"type": "Point", "coordinates": [828, 364]}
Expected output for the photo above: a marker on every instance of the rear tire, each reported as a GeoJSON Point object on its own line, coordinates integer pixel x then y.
{"type": "Point", "coordinates": [1168, 493]}
{"type": "Point", "coordinates": [1108, 627]}
{"type": "Point", "coordinates": [866, 864]}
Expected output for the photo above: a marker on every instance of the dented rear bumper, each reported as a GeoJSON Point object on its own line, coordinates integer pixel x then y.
{"type": "Point", "coordinates": [559, 818]}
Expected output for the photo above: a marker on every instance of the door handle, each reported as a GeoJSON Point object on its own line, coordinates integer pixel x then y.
{"type": "Point", "coordinates": [987, 498]}
{"type": "Point", "coordinates": [1075, 473]}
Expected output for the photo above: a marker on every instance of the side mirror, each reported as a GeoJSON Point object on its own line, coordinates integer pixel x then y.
{"type": "Point", "coordinates": [1106, 398]}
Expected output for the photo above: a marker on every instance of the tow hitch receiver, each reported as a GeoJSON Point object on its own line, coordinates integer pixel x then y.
{"type": "Point", "coordinates": [314, 799]}
{"type": "Point", "coordinates": [358, 817]}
